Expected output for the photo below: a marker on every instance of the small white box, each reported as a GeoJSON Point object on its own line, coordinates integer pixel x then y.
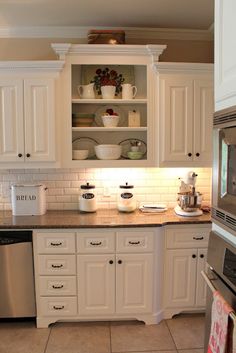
{"type": "Point", "coordinates": [28, 200]}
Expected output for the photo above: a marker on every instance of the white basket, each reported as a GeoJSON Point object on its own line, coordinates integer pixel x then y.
{"type": "Point", "coordinates": [28, 200]}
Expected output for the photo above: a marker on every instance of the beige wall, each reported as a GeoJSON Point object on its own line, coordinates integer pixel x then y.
{"type": "Point", "coordinates": [40, 49]}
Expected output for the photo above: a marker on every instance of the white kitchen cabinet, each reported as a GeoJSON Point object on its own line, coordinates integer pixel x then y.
{"type": "Point", "coordinates": [109, 285]}
{"type": "Point", "coordinates": [27, 114]}
{"type": "Point", "coordinates": [225, 54]}
{"type": "Point", "coordinates": [116, 274]}
{"type": "Point", "coordinates": [185, 114]}
{"type": "Point", "coordinates": [96, 284]}
{"type": "Point", "coordinates": [185, 258]}
{"type": "Point", "coordinates": [134, 283]}
{"type": "Point", "coordinates": [135, 62]}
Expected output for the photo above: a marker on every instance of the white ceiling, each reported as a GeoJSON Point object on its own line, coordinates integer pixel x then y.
{"type": "Point", "coordinates": [188, 14]}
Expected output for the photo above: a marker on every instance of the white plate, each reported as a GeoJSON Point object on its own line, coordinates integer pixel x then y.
{"type": "Point", "coordinates": [101, 110]}
{"type": "Point", "coordinates": [126, 147]}
{"type": "Point", "coordinates": [153, 208]}
{"type": "Point", "coordinates": [85, 143]}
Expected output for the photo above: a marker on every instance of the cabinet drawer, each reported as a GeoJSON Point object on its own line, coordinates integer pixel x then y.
{"type": "Point", "coordinates": [134, 241]}
{"type": "Point", "coordinates": [187, 238]}
{"type": "Point", "coordinates": [56, 264]}
{"type": "Point", "coordinates": [98, 242]}
{"type": "Point", "coordinates": [53, 286]}
{"type": "Point", "coordinates": [64, 306]}
{"type": "Point", "coordinates": [55, 243]}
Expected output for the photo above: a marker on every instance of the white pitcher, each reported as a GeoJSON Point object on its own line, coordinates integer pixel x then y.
{"type": "Point", "coordinates": [86, 91]}
{"type": "Point", "coordinates": [128, 91]}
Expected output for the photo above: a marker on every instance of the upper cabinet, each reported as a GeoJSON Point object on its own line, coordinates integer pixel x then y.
{"type": "Point", "coordinates": [83, 107]}
{"type": "Point", "coordinates": [225, 54]}
{"type": "Point", "coordinates": [185, 111]}
{"type": "Point", "coordinates": [28, 132]}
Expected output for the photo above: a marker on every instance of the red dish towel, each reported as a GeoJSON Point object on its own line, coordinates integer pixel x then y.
{"type": "Point", "coordinates": [219, 325]}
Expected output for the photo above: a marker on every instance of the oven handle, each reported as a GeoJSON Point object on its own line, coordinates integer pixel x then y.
{"type": "Point", "coordinates": [213, 289]}
{"type": "Point", "coordinates": [208, 281]}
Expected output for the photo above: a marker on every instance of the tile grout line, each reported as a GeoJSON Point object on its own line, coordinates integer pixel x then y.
{"type": "Point", "coordinates": [110, 337]}
{"type": "Point", "coordinates": [171, 335]}
{"type": "Point", "coordinates": [46, 345]}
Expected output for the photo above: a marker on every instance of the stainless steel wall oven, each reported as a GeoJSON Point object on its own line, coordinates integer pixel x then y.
{"type": "Point", "coordinates": [224, 167]}
{"type": "Point", "coordinates": [221, 273]}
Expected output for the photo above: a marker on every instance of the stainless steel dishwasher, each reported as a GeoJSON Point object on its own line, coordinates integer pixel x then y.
{"type": "Point", "coordinates": [17, 294]}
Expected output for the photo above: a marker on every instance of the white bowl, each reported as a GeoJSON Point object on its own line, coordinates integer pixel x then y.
{"type": "Point", "coordinates": [108, 151]}
{"type": "Point", "coordinates": [80, 154]}
{"type": "Point", "coordinates": [110, 120]}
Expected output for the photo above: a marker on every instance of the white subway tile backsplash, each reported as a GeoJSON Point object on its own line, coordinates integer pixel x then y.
{"type": "Point", "coordinates": [150, 184]}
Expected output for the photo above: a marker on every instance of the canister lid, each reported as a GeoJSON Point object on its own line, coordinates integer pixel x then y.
{"type": "Point", "coordinates": [87, 186]}
{"type": "Point", "coordinates": [126, 186]}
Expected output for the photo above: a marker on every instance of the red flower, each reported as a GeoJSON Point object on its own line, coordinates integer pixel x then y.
{"type": "Point", "coordinates": [105, 77]}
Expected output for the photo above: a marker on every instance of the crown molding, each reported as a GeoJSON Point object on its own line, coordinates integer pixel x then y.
{"type": "Point", "coordinates": [50, 65]}
{"type": "Point", "coordinates": [63, 49]}
{"type": "Point", "coordinates": [81, 33]}
{"type": "Point", "coordinates": [184, 67]}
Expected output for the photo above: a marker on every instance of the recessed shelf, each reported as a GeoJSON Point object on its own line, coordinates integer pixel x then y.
{"type": "Point", "coordinates": [109, 101]}
{"type": "Point", "coordinates": [117, 129]}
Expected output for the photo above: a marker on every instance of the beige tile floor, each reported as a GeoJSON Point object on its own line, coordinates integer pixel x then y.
{"type": "Point", "coordinates": [183, 334]}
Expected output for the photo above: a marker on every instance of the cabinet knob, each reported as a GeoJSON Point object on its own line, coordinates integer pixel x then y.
{"type": "Point", "coordinates": [190, 154]}
{"type": "Point", "coordinates": [119, 261]}
{"type": "Point", "coordinates": [197, 154]}
{"type": "Point", "coordinates": [202, 256]}
{"type": "Point", "coordinates": [20, 155]}
{"type": "Point", "coordinates": [111, 262]}
{"type": "Point", "coordinates": [27, 155]}
{"type": "Point", "coordinates": [194, 256]}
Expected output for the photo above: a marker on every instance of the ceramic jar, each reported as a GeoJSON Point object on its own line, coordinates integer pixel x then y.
{"type": "Point", "coordinates": [126, 201]}
{"type": "Point", "coordinates": [87, 198]}
{"type": "Point", "coordinates": [108, 92]}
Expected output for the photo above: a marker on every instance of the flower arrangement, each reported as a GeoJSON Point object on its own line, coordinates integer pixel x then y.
{"type": "Point", "coordinates": [107, 77]}
{"type": "Point", "coordinates": [110, 112]}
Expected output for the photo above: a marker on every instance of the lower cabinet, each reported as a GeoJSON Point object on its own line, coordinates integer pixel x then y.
{"type": "Point", "coordinates": [129, 273]}
{"type": "Point", "coordinates": [115, 284]}
{"type": "Point", "coordinates": [185, 258]}
{"type": "Point", "coordinates": [99, 274]}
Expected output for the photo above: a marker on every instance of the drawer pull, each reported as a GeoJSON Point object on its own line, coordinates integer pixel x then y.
{"type": "Point", "coordinates": [95, 243]}
{"type": "Point", "coordinates": [198, 238]}
{"type": "Point", "coordinates": [57, 287]}
{"type": "Point", "coordinates": [56, 244]}
{"type": "Point", "coordinates": [57, 266]}
{"type": "Point", "coordinates": [134, 242]}
{"type": "Point", "coordinates": [58, 307]}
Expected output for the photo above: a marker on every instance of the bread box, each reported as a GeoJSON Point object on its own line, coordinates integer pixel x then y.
{"type": "Point", "coordinates": [28, 200]}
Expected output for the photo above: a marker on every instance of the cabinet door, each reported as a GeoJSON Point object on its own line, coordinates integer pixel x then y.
{"type": "Point", "coordinates": [176, 118]}
{"type": "Point", "coordinates": [11, 120]}
{"type": "Point", "coordinates": [180, 278]}
{"type": "Point", "coordinates": [203, 120]}
{"type": "Point", "coordinates": [201, 285]}
{"type": "Point", "coordinates": [225, 54]}
{"type": "Point", "coordinates": [39, 120]}
{"type": "Point", "coordinates": [134, 281]}
{"type": "Point", "coordinates": [96, 284]}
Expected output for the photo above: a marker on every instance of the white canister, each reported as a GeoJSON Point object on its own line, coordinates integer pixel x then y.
{"type": "Point", "coordinates": [87, 198]}
{"type": "Point", "coordinates": [28, 200]}
{"type": "Point", "coordinates": [126, 199]}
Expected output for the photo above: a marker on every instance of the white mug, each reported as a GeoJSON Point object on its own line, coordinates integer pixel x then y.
{"type": "Point", "coordinates": [86, 91]}
{"type": "Point", "coordinates": [128, 91]}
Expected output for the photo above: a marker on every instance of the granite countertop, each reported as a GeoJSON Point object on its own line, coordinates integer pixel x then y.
{"type": "Point", "coordinates": [105, 218]}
